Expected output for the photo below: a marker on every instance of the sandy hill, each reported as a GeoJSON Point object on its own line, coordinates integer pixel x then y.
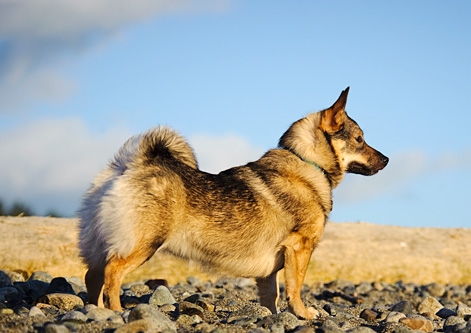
{"type": "Point", "coordinates": [350, 251]}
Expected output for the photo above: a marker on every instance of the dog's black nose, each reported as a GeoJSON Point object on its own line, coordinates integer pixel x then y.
{"type": "Point", "coordinates": [385, 160]}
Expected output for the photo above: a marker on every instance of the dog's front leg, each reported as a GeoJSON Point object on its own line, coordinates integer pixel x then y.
{"type": "Point", "coordinates": [268, 291]}
{"type": "Point", "coordinates": [298, 250]}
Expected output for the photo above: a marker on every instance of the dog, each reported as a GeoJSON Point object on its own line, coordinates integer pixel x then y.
{"type": "Point", "coordinates": [247, 221]}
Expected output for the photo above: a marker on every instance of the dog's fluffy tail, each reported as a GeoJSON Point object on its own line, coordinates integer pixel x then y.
{"type": "Point", "coordinates": [151, 146]}
{"type": "Point", "coordinates": [97, 221]}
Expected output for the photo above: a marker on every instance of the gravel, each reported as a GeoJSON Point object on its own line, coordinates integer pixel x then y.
{"type": "Point", "coordinates": [41, 303]}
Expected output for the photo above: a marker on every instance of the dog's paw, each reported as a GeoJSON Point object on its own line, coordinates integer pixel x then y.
{"type": "Point", "coordinates": [306, 313]}
{"type": "Point", "coordinates": [311, 313]}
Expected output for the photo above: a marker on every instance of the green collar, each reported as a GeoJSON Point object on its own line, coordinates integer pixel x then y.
{"type": "Point", "coordinates": [314, 164]}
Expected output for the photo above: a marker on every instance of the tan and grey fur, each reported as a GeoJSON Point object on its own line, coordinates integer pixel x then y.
{"type": "Point", "coordinates": [248, 221]}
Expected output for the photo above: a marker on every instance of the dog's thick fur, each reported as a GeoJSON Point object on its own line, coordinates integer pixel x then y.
{"type": "Point", "coordinates": [249, 221]}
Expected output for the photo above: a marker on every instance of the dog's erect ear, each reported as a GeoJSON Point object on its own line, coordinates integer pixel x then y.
{"type": "Point", "coordinates": [334, 117]}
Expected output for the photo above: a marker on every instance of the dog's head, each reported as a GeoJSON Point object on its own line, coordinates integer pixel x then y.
{"type": "Point", "coordinates": [346, 138]}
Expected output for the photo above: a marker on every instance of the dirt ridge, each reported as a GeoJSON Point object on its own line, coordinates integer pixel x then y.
{"type": "Point", "coordinates": [355, 252]}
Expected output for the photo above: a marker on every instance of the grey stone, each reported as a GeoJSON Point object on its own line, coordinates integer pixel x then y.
{"type": "Point", "coordinates": [405, 307]}
{"type": "Point", "coordinates": [243, 321]}
{"type": "Point", "coordinates": [191, 309]}
{"type": "Point", "coordinates": [445, 313]}
{"type": "Point", "coordinates": [60, 285]}
{"type": "Point", "coordinates": [417, 322]}
{"type": "Point", "coordinates": [161, 296]}
{"type": "Point", "coordinates": [463, 310]}
{"type": "Point", "coordinates": [77, 284]}
{"type": "Point", "coordinates": [329, 326]}
{"type": "Point", "coordinates": [454, 323]}
{"type": "Point", "coordinates": [17, 276]}
{"type": "Point", "coordinates": [193, 298]}
{"type": "Point", "coordinates": [466, 329]}
{"type": "Point", "coordinates": [379, 286]}
{"type": "Point", "coordinates": [76, 280]}
{"type": "Point", "coordinates": [9, 293]}
{"type": "Point", "coordinates": [330, 309]}
{"type": "Point", "coordinates": [5, 280]}
{"type": "Point", "coordinates": [140, 289]}
{"type": "Point", "coordinates": [131, 301]}
{"type": "Point", "coordinates": [41, 276]}
{"type": "Point", "coordinates": [168, 308]}
{"type": "Point", "coordinates": [150, 317]}
{"type": "Point", "coordinates": [368, 315]}
{"type": "Point", "coordinates": [206, 305]}
{"type": "Point", "coordinates": [429, 306]}
{"type": "Point", "coordinates": [33, 288]}
{"type": "Point", "coordinates": [394, 317]}
{"type": "Point", "coordinates": [253, 311]}
{"type": "Point", "coordinates": [435, 289]}
{"type": "Point", "coordinates": [303, 329]}
{"type": "Point", "coordinates": [54, 328]}
{"type": "Point", "coordinates": [287, 319]}
{"type": "Point", "coordinates": [277, 328]}
{"type": "Point", "coordinates": [102, 314]}
{"type": "Point", "coordinates": [143, 311]}
{"type": "Point", "coordinates": [453, 291]}
{"type": "Point", "coordinates": [74, 315]}
{"type": "Point", "coordinates": [148, 325]}
{"type": "Point", "coordinates": [363, 288]}
{"type": "Point", "coordinates": [65, 302]}
{"type": "Point", "coordinates": [35, 311]}
{"type": "Point", "coordinates": [189, 320]}
{"type": "Point", "coordinates": [6, 311]}
{"type": "Point", "coordinates": [89, 307]}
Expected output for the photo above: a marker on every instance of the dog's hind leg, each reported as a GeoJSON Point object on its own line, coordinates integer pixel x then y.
{"type": "Point", "coordinates": [268, 291]}
{"type": "Point", "coordinates": [115, 271]}
{"type": "Point", "coordinates": [94, 279]}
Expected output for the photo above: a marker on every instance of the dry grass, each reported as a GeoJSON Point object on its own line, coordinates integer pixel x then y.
{"type": "Point", "coordinates": [350, 251]}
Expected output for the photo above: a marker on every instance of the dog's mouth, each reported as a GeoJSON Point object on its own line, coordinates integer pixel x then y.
{"type": "Point", "coordinates": [361, 169]}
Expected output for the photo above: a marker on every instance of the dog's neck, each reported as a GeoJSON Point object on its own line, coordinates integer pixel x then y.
{"type": "Point", "coordinates": [312, 147]}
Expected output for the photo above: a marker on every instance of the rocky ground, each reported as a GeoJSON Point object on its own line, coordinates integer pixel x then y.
{"type": "Point", "coordinates": [41, 303]}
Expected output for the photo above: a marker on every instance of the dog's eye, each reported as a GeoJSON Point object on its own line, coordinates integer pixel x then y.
{"type": "Point", "coordinates": [359, 139]}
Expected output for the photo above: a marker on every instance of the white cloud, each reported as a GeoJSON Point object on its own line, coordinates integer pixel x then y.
{"type": "Point", "coordinates": [402, 169]}
{"type": "Point", "coordinates": [61, 19]}
{"type": "Point", "coordinates": [450, 160]}
{"type": "Point", "coordinates": [50, 163]}
{"type": "Point", "coordinates": [217, 153]}
{"type": "Point", "coordinates": [39, 85]}
{"type": "Point", "coordinates": [39, 35]}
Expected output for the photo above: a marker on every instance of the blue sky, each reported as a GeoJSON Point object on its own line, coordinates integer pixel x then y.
{"type": "Point", "coordinates": [78, 78]}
